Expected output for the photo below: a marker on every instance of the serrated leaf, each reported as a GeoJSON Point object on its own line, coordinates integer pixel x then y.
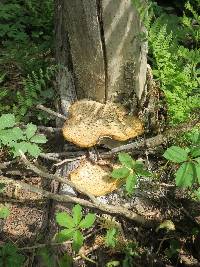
{"type": "Point", "coordinates": [176, 154]}
{"type": "Point", "coordinates": [110, 239]}
{"type": "Point", "coordinates": [39, 139]}
{"type": "Point", "coordinates": [77, 214]}
{"type": "Point", "coordinates": [33, 150]}
{"type": "Point", "coordinates": [125, 160]}
{"type": "Point", "coordinates": [120, 173]}
{"type": "Point", "coordinates": [18, 133]}
{"type": "Point", "coordinates": [64, 219]}
{"type": "Point", "coordinates": [7, 121]}
{"type": "Point", "coordinates": [185, 175]}
{"type": "Point", "coordinates": [88, 221]}
{"type": "Point", "coordinates": [22, 146]}
{"type": "Point", "coordinates": [66, 261]}
{"type": "Point", "coordinates": [30, 130]}
{"type": "Point", "coordinates": [4, 212]}
{"type": "Point", "coordinates": [64, 235]}
{"type": "Point", "coordinates": [130, 183]}
{"type": "Point", "coordinates": [195, 152]}
{"type": "Point", "coordinates": [77, 241]}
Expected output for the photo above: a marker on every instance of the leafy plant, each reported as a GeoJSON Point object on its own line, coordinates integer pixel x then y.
{"type": "Point", "coordinates": [37, 90]}
{"type": "Point", "coordinates": [111, 237]}
{"type": "Point", "coordinates": [4, 212]}
{"type": "Point", "coordinates": [173, 249]}
{"type": "Point", "coordinates": [10, 257]}
{"type": "Point", "coordinates": [131, 251]}
{"type": "Point", "coordinates": [188, 158]}
{"type": "Point", "coordinates": [130, 171]}
{"type": "Point", "coordinates": [73, 226]}
{"type": "Point", "coordinates": [175, 58]}
{"type": "Point", "coordinates": [17, 140]}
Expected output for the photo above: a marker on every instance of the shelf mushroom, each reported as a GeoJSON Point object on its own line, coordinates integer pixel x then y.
{"type": "Point", "coordinates": [90, 121]}
{"type": "Point", "coordinates": [94, 179]}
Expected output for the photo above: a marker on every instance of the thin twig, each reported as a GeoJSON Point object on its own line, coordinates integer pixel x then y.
{"type": "Point", "coordinates": [48, 110]}
{"type": "Point", "coordinates": [51, 130]}
{"type": "Point", "coordinates": [63, 154]}
{"type": "Point", "coordinates": [45, 245]}
{"type": "Point", "coordinates": [68, 160]}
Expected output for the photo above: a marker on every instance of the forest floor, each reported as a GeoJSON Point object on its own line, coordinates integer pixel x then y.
{"type": "Point", "coordinates": [32, 218]}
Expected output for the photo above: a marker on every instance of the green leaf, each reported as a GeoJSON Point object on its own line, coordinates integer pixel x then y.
{"type": "Point", "coordinates": [197, 171]}
{"type": "Point", "coordinates": [64, 235]}
{"type": "Point", "coordinates": [197, 193]}
{"type": "Point", "coordinates": [195, 152]}
{"type": "Point", "coordinates": [176, 154]}
{"type": "Point", "coordinates": [39, 139]}
{"type": "Point", "coordinates": [139, 168]}
{"type": "Point", "coordinates": [125, 160]}
{"type": "Point", "coordinates": [66, 261]}
{"type": "Point", "coordinates": [77, 214]}
{"type": "Point", "coordinates": [10, 256]}
{"type": "Point", "coordinates": [120, 173]}
{"type": "Point", "coordinates": [88, 221]}
{"type": "Point", "coordinates": [64, 219]}
{"type": "Point", "coordinates": [7, 121]}
{"type": "Point", "coordinates": [47, 258]}
{"type": "Point", "coordinates": [18, 134]}
{"type": "Point", "coordinates": [2, 185]}
{"type": "Point", "coordinates": [30, 130]}
{"type": "Point", "coordinates": [20, 146]}
{"type": "Point", "coordinates": [113, 263]}
{"type": "Point", "coordinates": [77, 241]}
{"type": "Point", "coordinates": [33, 150]}
{"type": "Point", "coordinates": [130, 183]}
{"type": "Point", "coordinates": [111, 237]}
{"type": "Point", "coordinates": [4, 212]}
{"type": "Point", "coordinates": [185, 175]}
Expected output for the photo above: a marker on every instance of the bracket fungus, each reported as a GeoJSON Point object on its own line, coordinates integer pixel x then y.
{"type": "Point", "coordinates": [90, 121]}
{"type": "Point", "coordinates": [94, 179]}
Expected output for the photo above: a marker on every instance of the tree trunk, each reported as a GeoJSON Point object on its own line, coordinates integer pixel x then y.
{"type": "Point", "coordinates": [98, 43]}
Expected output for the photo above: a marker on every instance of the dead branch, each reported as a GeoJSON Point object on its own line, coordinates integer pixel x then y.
{"type": "Point", "coordinates": [154, 141]}
{"type": "Point", "coordinates": [118, 210]}
{"type": "Point", "coordinates": [51, 112]}
{"type": "Point", "coordinates": [49, 130]}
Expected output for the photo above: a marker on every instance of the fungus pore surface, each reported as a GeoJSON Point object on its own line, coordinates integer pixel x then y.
{"type": "Point", "coordinates": [94, 179]}
{"type": "Point", "coordinates": [89, 121]}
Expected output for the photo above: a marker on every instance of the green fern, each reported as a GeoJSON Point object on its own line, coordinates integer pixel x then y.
{"type": "Point", "coordinates": [37, 89]}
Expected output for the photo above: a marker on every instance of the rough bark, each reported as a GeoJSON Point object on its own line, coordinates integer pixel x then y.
{"type": "Point", "coordinates": [98, 42]}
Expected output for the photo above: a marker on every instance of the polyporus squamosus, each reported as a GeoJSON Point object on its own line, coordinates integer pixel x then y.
{"type": "Point", "coordinates": [89, 121]}
{"type": "Point", "coordinates": [94, 179]}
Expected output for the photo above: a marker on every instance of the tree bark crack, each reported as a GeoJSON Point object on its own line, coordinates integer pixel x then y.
{"type": "Point", "coordinates": [103, 43]}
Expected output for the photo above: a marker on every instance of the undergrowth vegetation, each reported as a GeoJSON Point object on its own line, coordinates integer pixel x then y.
{"type": "Point", "coordinates": [27, 78]}
{"type": "Point", "coordinates": [175, 56]}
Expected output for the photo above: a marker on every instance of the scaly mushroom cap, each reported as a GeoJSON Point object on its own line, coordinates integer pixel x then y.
{"type": "Point", "coordinates": [89, 121]}
{"type": "Point", "coordinates": [94, 179]}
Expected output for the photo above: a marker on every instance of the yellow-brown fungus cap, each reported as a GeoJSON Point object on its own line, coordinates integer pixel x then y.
{"type": "Point", "coordinates": [89, 121]}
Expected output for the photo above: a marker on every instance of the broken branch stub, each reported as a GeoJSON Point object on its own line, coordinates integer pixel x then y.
{"type": "Point", "coordinates": [90, 121]}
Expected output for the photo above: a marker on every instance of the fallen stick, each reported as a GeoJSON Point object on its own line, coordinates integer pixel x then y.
{"type": "Point", "coordinates": [153, 141]}
{"type": "Point", "coordinates": [117, 210]}
{"type": "Point", "coordinates": [51, 112]}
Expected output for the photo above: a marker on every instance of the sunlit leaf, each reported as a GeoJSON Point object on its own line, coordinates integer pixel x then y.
{"type": "Point", "coordinates": [176, 154]}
